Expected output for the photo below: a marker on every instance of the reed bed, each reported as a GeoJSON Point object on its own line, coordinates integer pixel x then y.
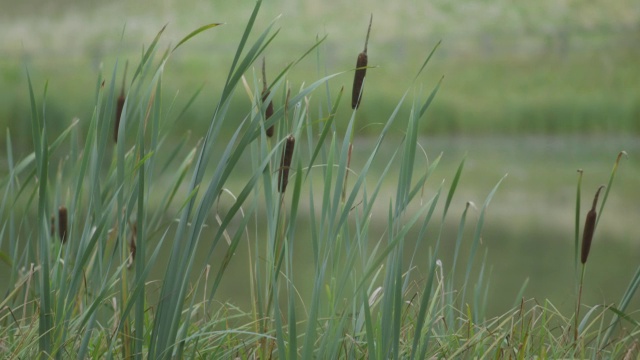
{"type": "Point", "coordinates": [127, 201]}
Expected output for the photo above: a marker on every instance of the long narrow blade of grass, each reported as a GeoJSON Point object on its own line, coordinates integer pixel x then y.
{"type": "Point", "coordinates": [147, 54]}
{"type": "Point", "coordinates": [137, 247]}
{"type": "Point", "coordinates": [454, 186]}
{"type": "Point", "coordinates": [476, 237]}
{"type": "Point", "coordinates": [426, 61]}
{"type": "Point", "coordinates": [194, 33]}
{"type": "Point", "coordinates": [45, 325]}
{"type": "Point", "coordinates": [427, 103]}
{"type": "Point", "coordinates": [426, 294]}
{"type": "Point", "coordinates": [293, 337]}
{"type": "Point", "coordinates": [360, 180]}
{"type": "Point", "coordinates": [576, 243]}
{"type": "Point", "coordinates": [328, 125]}
{"type": "Point", "coordinates": [609, 184]}
{"type": "Point", "coordinates": [622, 307]}
{"type": "Point", "coordinates": [243, 40]}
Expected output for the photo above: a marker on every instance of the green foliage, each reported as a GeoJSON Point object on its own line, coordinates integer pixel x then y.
{"type": "Point", "coordinates": [542, 68]}
{"type": "Point", "coordinates": [126, 201]}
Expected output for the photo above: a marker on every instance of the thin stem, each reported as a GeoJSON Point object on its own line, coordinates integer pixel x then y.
{"type": "Point", "coordinates": [368, 31]}
{"type": "Point", "coordinates": [278, 244]}
{"type": "Point", "coordinates": [575, 337]}
{"type": "Point", "coordinates": [346, 174]}
{"type": "Point", "coordinates": [264, 75]}
{"type": "Point", "coordinates": [124, 78]}
{"type": "Point", "coordinates": [576, 247]}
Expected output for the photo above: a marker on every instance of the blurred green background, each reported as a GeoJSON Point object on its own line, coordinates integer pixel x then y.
{"type": "Point", "coordinates": [510, 68]}
{"type": "Point", "coordinates": [533, 89]}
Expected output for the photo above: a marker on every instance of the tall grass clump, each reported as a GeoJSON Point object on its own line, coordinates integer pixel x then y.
{"type": "Point", "coordinates": [372, 286]}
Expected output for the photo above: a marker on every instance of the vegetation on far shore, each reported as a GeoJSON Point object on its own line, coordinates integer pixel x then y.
{"type": "Point", "coordinates": [515, 69]}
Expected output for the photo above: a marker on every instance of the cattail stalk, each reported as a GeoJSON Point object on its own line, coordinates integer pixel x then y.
{"type": "Point", "coordinates": [361, 71]}
{"type": "Point", "coordinates": [62, 224]}
{"type": "Point", "coordinates": [576, 243]}
{"type": "Point", "coordinates": [265, 94]}
{"type": "Point", "coordinates": [120, 104]}
{"type": "Point", "coordinates": [587, 237]}
{"type": "Point", "coordinates": [589, 228]}
{"type": "Point", "coordinates": [285, 163]}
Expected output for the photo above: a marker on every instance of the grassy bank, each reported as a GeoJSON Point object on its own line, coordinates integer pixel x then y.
{"type": "Point", "coordinates": [540, 69]}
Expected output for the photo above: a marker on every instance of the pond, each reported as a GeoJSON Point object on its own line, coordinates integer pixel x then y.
{"type": "Point", "coordinates": [528, 233]}
{"type": "Point", "coordinates": [529, 226]}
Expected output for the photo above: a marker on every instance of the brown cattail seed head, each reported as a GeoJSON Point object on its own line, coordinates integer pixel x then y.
{"type": "Point", "coordinates": [361, 72]}
{"type": "Point", "coordinates": [62, 223]}
{"type": "Point", "coordinates": [358, 80]}
{"type": "Point", "coordinates": [268, 112]}
{"type": "Point", "coordinates": [120, 104]}
{"type": "Point", "coordinates": [589, 228]}
{"type": "Point", "coordinates": [285, 163]}
{"type": "Point", "coordinates": [265, 94]}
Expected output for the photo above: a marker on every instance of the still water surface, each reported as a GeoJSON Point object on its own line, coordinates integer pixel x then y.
{"type": "Point", "coordinates": [528, 232]}
{"type": "Point", "coordinates": [529, 227]}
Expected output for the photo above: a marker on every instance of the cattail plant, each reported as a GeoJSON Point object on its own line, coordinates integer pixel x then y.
{"type": "Point", "coordinates": [587, 237]}
{"type": "Point", "coordinates": [265, 94]}
{"type": "Point", "coordinates": [62, 223]}
{"type": "Point", "coordinates": [361, 71]}
{"type": "Point", "coordinates": [120, 104]}
{"type": "Point", "coordinates": [285, 163]}
{"type": "Point", "coordinates": [356, 96]}
{"type": "Point", "coordinates": [589, 227]}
